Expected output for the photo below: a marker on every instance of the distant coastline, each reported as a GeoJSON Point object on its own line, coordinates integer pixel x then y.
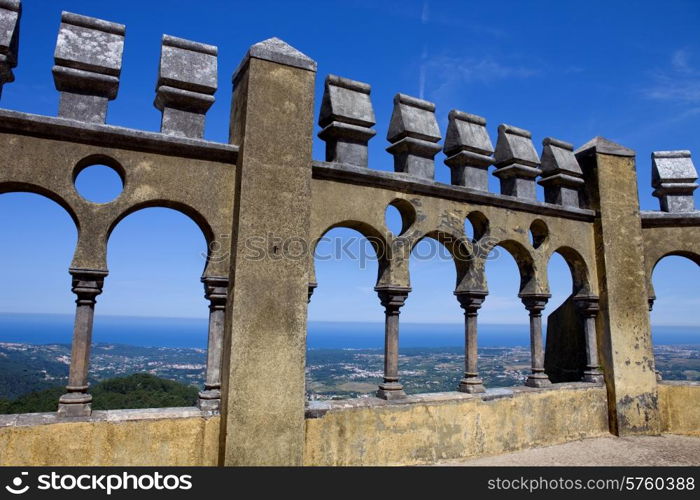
{"type": "Point", "coordinates": [192, 332]}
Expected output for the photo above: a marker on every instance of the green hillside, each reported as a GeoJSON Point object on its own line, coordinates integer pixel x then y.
{"type": "Point", "coordinates": [140, 390]}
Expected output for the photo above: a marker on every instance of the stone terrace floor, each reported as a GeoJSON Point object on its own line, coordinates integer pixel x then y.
{"type": "Point", "coordinates": [629, 451]}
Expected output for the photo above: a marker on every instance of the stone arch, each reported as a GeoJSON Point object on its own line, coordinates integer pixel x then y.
{"type": "Point", "coordinates": [688, 254]}
{"type": "Point", "coordinates": [186, 210]}
{"type": "Point", "coordinates": [24, 187]}
{"type": "Point", "coordinates": [375, 237]}
{"type": "Point", "coordinates": [526, 266]}
{"type": "Point", "coordinates": [579, 269]}
{"type": "Point", "coordinates": [459, 248]}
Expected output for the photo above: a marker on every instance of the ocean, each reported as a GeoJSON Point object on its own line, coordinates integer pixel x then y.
{"type": "Point", "coordinates": [192, 332]}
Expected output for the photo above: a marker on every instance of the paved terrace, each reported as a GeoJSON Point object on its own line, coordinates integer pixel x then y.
{"type": "Point", "coordinates": [629, 451]}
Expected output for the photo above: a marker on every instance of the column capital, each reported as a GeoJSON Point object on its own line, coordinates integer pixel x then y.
{"type": "Point", "coordinates": [87, 283]}
{"type": "Point", "coordinates": [587, 304]}
{"type": "Point", "coordinates": [535, 302]}
{"type": "Point", "coordinates": [312, 286]}
{"type": "Point", "coordinates": [470, 300]}
{"type": "Point", "coordinates": [392, 298]}
{"type": "Point", "coordinates": [215, 291]}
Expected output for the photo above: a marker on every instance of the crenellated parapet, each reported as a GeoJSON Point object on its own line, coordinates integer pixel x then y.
{"type": "Point", "coordinates": [561, 174]}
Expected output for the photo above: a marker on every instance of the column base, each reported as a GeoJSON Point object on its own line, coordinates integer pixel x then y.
{"type": "Point", "coordinates": [593, 376]}
{"type": "Point", "coordinates": [471, 385]}
{"type": "Point", "coordinates": [391, 391]}
{"type": "Point", "coordinates": [538, 380]}
{"type": "Point", "coordinates": [209, 400]}
{"type": "Point", "coordinates": [75, 404]}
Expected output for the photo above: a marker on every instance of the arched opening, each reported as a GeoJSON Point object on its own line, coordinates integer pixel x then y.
{"type": "Point", "coordinates": [152, 311]}
{"type": "Point", "coordinates": [565, 339]}
{"type": "Point", "coordinates": [431, 342]}
{"type": "Point", "coordinates": [504, 344]}
{"type": "Point", "coordinates": [36, 303]}
{"type": "Point", "coordinates": [345, 333]}
{"type": "Point", "coordinates": [675, 320]}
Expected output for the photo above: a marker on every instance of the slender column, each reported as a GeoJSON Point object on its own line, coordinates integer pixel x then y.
{"type": "Point", "coordinates": [589, 309]}
{"type": "Point", "coordinates": [87, 285]}
{"type": "Point", "coordinates": [392, 299]}
{"type": "Point", "coordinates": [471, 303]}
{"type": "Point", "coordinates": [216, 292]}
{"type": "Point", "coordinates": [535, 304]}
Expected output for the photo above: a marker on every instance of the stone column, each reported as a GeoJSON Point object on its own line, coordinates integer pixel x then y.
{"type": "Point", "coordinates": [263, 386]}
{"type": "Point", "coordinates": [625, 341]}
{"type": "Point", "coordinates": [392, 299]}
{"type": "Point", "coordinates": [588, 306]}
{"type": "Point", "coordinates": [10, 13]}
{"type": "Point", "coordinates": [216, 292]}
{"type": "Point", "coordinates": [87, 285]}
{"type": "Point", "coordinates": [471, 303]}
{"type": "Point", "coordinates": [535, 305]}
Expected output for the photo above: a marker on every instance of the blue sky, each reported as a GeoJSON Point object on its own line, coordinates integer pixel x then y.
{"type": "Point", "coordinates": [571, 70]}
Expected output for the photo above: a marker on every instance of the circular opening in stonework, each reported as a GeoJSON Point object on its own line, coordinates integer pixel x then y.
{"type": "Point", "coordinates": [399, 216]}
{"type": "Point", "coordinates": [476, 225]}
{"type": "Point", "coordinates": [98, 182]}
{"type": "Point", "coordinates": [538, 233]}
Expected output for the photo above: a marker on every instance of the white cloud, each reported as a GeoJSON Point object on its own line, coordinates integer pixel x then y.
{"type": "Point", "coordinates": [680, 82]}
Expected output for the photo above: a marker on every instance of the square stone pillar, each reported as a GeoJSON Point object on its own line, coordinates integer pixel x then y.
{"type": "Point", "coordinates": [624, 332]}
{"type": "Point", "coordinates": [263, 391]}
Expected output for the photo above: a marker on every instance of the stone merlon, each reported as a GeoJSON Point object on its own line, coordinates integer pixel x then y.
{"type": "Point", "coordinates": [187, 80]}
{"type": "Point", "coordinates": [88, 62]}
{"type": "Point", "coordinates": [347, 118]}
{"type": "Point", "coordinates": [413, 132]}
{"type": "Point", "coordinates": [561, 174]}
{"type": "Point", "coordinates": [673, 177]}
{"type": "Point", "coordinates": [10, 13]}
{"type": "Point", "coordinates": [517, 162]}
{"type": "Point", "coordinates": [468, 148]}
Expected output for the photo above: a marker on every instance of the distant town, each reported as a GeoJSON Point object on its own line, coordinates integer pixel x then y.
{"type": "Point", "coordinates": [330, 373]}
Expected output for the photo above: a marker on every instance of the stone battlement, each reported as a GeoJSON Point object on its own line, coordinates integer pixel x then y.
{"type": "Point", "coordinates": [595, 374]}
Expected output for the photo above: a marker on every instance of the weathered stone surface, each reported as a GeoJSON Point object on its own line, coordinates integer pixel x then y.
{"type": "Point", "coordinates": [278, 51]}
{"type": "Point", "coordinates": [187, 80]}
{"type": "Point", "coordinates": [347, 118]}
{"type": "Point", "coordinates": [10, 13]}
{"type": "Point", "coordinates": [468, 148]}
{"type": "Point", "coordinates": [625, 336]}
{"type": "Point", "coordinates": [413, 132]}
{"type": "Point", "coordinates": [673, 177]}
{"type": "Point", "coordinates": [517, 164]}
{"type": "Point", "coordinates": [272, 122]}
{"type": "Point", "coordinates": [561, 175]}
{"type": "Point", "coordinates": [679, 405]}
{"type": "Point", "coordinates": [469, 425]}
{"type": "Point", "coordinates": [88, 60]}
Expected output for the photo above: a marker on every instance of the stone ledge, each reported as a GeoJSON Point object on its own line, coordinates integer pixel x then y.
{"type": "Point", "coordinates": [652, 218]}
{"type": "Point", "coordinates": [680, 383]}
{"type": "Point", "coordinates": [116, 416]}
{"type": "Point", "coordinates": [62, 129]}
{"type": "Point", "coordinates": [318, 409]}
{"type": "Point", "coordinates": [410, 184]}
